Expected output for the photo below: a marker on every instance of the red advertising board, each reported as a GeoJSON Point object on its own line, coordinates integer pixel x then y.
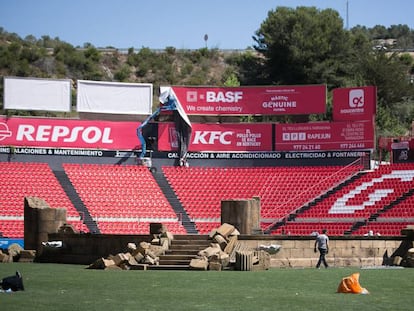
{"type": "Point", "coordinates": [356, 103]}
{"type": "Point", "coordinates": [106, 135]}
{"type": "Point", "coordinates": [325, 136]}
{"type": "Point", "coordinates": [64, 133]}
{"type": "Point", "coordinates": [219, 137]}
{"type": "Point", "coordinates": [266, 100]}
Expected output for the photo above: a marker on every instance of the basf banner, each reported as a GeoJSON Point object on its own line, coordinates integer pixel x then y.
{"type": "Point", "coordinates": [63, 133]}
{"type": "Point", "coordinates": [265, 100]}
{"type": "Point", "coordinates": [325, 136]}
{"type": "Point", "coordinates": [357, 103]}
{"type": "Point", "coordinates": [219, 137]}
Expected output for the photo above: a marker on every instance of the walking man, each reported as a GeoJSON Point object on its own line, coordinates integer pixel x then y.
{"type": "Point", "coordinates": [322, 244]}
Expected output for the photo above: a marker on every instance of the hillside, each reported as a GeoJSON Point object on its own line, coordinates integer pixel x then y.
{"type": "Point", "coordinates": [52, 58]}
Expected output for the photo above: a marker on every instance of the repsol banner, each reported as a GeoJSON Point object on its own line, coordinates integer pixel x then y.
{"type": "Point", "coordinates": [265, 100]}
{"type": "Point", "coordinates": [64, 133]}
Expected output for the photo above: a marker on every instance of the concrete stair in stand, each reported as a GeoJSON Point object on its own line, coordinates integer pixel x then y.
{"type": "Point", "coordinates": [183, 248]}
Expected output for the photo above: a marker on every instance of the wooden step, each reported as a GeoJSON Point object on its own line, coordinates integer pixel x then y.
{"type": "Point", "coordinates": [175, 262]}
{"type": "Point", "coordinates": [191, 237]}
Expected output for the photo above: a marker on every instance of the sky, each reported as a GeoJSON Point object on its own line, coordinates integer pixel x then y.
{"type": "Point", "coordinates": [183, 24]}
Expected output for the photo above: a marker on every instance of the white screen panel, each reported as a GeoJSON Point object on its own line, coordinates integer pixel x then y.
{"type": "Point", "coordinates": [114, 97]}
{"type": "Point", "coordinates": [36, 94]}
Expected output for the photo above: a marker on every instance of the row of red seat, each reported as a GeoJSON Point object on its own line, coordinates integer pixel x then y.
{"type": "Point", "coordinates": [133, 227]}
{"type": "Point", "coordinates": [20, 180]}
{"type": "Point", "coordinates": [130, 192]}
{"type": "Point", "coordinates": [281, 189]}
{"type": "Point", "coordinates": [113, 192]}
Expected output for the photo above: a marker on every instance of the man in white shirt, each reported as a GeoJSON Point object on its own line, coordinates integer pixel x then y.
{"type": "Point", "coordinates": [322, 244]}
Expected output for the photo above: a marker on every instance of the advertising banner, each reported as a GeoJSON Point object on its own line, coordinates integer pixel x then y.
{"type": "Point", "coordinates": [356, 103]}
{"type": "Point", "coordinates": [114, 97]}
{"type": "Point", "coordinates": [219, 137]}
{"type": "Point", "coordinates": [37, 94]}
{"type": "Point", "coordinates": [64, 133]}
{"type": "Point", "coordinates": [265, 100]}
{"type": "Point", "coordinates": [107, 135]}
{"type": "Point", "coordinates": [325, 136]}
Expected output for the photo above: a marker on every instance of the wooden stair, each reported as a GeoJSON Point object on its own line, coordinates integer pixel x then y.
{"type": "Point", "coordinates": [183, 248]}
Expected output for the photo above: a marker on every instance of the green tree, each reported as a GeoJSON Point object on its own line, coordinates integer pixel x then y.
{"type": "Point", "coordinates": [249, 67]}
{"type": "Point", "coordinates": [303, 46]}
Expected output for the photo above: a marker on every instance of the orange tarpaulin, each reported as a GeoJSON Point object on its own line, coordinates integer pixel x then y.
{"type": "Point", "coordinates": [350, 284]}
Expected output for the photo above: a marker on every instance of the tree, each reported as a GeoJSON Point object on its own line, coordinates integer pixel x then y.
{"type": "Point", "coordinates": [303, 46]}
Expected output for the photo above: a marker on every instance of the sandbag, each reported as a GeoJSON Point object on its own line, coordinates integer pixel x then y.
{"type": "Point", "coordinates": [350, 285]}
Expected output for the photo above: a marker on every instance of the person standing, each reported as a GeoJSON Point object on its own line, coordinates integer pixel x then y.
{"type": "Point", "coordinates": [322, 244]}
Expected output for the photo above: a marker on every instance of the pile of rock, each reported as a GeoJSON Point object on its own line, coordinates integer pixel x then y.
{"type": "Point", "coordinates": [225, 252]}
{"type": "Point", "coordinates": [16, 253]}
{"type": "Point", "coordinates": [137, 257]}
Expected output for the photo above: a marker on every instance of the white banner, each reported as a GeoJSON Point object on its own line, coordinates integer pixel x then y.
{"type": "Point", "coordinates": [36, 94]}
{"type": "Point", "coordinates": [114, 97]}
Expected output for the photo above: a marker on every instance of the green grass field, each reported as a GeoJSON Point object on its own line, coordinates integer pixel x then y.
{"type": "Point", "coordinates": [72, 287]}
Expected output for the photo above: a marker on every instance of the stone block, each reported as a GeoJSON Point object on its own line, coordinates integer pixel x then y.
{"type": "Point", "coordinates": [225, 230]}
{"type": "Point", "coordinates": [214, 266]}
{"type": "Point", "coordinates": [199, 264]}
{"type": "Point", "coordinates": [297, 253]}
{"type": "Point", "coordinates": [209, 251]}
{"type": "Point", "coordinates": [287, 244]}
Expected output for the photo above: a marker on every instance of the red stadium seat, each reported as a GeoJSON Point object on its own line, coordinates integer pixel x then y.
{"type": "Point", "coordinates": [19, 180]}
{"type": "Point", "coordinates": [122, 194]}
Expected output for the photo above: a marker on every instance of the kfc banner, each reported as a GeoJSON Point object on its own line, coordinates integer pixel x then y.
{"type": "Point", "coordinates": [325, 136]}
{"type": "Point", "coordinates": [265, 100]}
{"type": "Point", "coordinates": [219, 137]}
{"type": "Point", "coordinates": [356, 104]}
{"type": "Point", "coordinates": [64, 133]}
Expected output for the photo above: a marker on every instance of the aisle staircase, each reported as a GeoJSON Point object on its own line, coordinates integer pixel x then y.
{"type": "Point", "coordinates": [183, 248]}
{"type": "Point", "coordinates": [175, 203]}
{"type": "Point", "coordinates": [76, 201]}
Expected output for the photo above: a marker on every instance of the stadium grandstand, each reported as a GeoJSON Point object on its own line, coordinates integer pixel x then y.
{"type": "Point", "coordinates": [117, 177]}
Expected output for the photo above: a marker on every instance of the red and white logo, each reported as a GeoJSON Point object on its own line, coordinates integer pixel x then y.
{"type": "Point", "coordinates": [192, 96]}
{"type": "Point", "coordinates": [356, 98]}
{"type": "Point", "coordinates": [4, 131]}
{"type": "Point", "coordinates": [214, 96]}
{"type": "Point", "coordinates": [372, 194]}
{"type": "Point", "coordinates": [211, 137]}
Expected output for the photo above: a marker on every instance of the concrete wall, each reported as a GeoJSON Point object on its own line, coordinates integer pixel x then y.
{"type": "Point", "coordinates": [343, 252]}
{"type": "Point", "coordinates": [295, 252]}
{"type": "Point", "coordinates": [86, 248]}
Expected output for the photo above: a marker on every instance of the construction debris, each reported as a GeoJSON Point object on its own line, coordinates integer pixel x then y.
{"type": "Point", "coordinates": [138, 257]}
{"type": "Point", "coordinates": [227, 253]}
{"type": "Point", "coordinates": [16, 253]}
